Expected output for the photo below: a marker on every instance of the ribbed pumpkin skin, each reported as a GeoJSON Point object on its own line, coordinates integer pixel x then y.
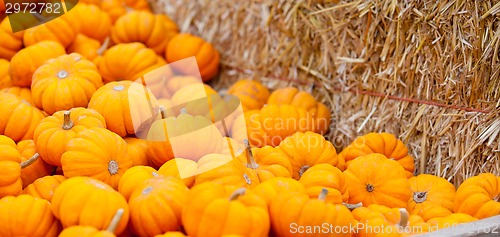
{"type": "Point", "coordinates": [479, 196]}
{"type": "Point", "coordinates": [84, 231]}
{"type": "Point", "coordinates": [19, 118]}
{"type": "Point", "coordinates": [11, 43]}
{"type": "Point", "coordinates": [62, 30]}
{"type": "Point", "coordinates": [5, 81]}
{"type": "Point", "coordinates": [10, 181]}
{"type": "Point", "coordinates": [94, 22]}
{"type": "Point", "coordinates": [38, 169]}
{"type": "Point", "coordinates": [22, 92]}
{"type": "Point", "coordinates": [252, 94]}
{"type": "Point", "coordinates": [44, 187]}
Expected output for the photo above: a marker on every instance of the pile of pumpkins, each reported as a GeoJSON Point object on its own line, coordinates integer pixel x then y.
{"type": "Point", "coordinates": [73, 162]}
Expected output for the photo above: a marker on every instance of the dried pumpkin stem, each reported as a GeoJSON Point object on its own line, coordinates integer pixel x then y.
{"type": "Point", "coordinates": [419, 197]}
{"type": "Point", "coordinates": [322, 195]}
{"type": "Point", "coordinates": [163, 112]}
{"type": "Point", "coordinates": [67, 123]}
{"type": "Point", "coordinates": [250, 160]}
{"type": "Point", "coordinates": [104, 47]}
{"type": "Point", "coordinates": [405, 216]}
{"type": "Point", "coordinates": [183, 111]}
{"type": "Point", "coordinates": [113, 167]}
{"type": "Point", "coordinates": [237, 193]}
{"type": "Point", "coordinates": [62, 74]}
{"type": "Point", "coordinates": [30, 161]}
{"type": "Point", "coordinates": [352, 206]}
{"type": "Point", "coordinates": [303, 169]}
{"type": "Point", "coordinates": [115, 221]}
{"type": "Point", "coordinates": [369, 188]}
{"type": "Point", "coordinates": [497, 198]}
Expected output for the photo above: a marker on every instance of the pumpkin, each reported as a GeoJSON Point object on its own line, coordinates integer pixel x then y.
{"type": "Point", "coordinates": [292, 209]}
{"type": "Point", "coordinates": [89, 231]}
{"type": "Point", "coordinates": [326, 176]}
{"type": "Point", "coordinates": [89, 48]}
{"type": "Point", "coordinates": [11, 183]}
{"type": "Point", "coordinates": [305, 100]}
{"type": "Point", "coordinates": [96, 152]}
{"type": "Point", "coordinates": [54, 132]}
{"type": "Point", "coordinates": [65, 82]}
{"type": "Point", "coordinates": [157, 197]}
{"type": "Point", "coordinates": [214, 210]}
{"type": "Point", "coordinates": [19, 118]}
{"type": "Point", "coordinates": [366, 185]}
{"type": "Point", "coordinates": [94, 22]}
{"type": "Point", "coordinates": [449, 221]}
{"type": "Point", "coordinates": [10, 43]}
{"type": "Point", "coordinates": [126, 106]}
{"type": "Point", "coordinates": [252, 94]}
{"type": "Point", "coordinates": [272, 124]}
{"type": "Point", "coordinates": [432, 196]}
{"type": "Point", "coordinates": [153, 30]}
{"type": "Point", "coordinates": [383, 143]}
{"type": "Point", "coordinates": [134, 177]}
{"type": "Point", "coordinates": [128, 61]}
{"type": "Point", "coordinates": [5, 81]}
{"type": "Point", "coordinates": [44, 187]}
{"type": "Point", "coordinates": [168, 138]}
{"type": "Point", "coordinates": [22, 92]}
{"type": "Point", "coordinates": [172, 234]}
{"type": "Point", "coordinates": [118, 8]}
{"type": "Point", "coordinates": [387, 221]}
{"type": "Point", "coordinates": [192, 92]}
{"type": "Point", "coordinates": [92, 203]}
{"type": "Point", "coordinates": [308, 149]}
{"type": "Point", "coordinates": [137, 151]}
{"type": "Point", "coordinates": [159, 80]}
{"type": "Point", "coordinates": [267, 162]}
{"type": "Point", "coordinates": [23, 64]}
{"type": "Point", "coordinates": [37, 169]}
{"type": "Point", "coordinates": [33, 213]}
{"type": "Point", "coordinates": [173, 84]}
{"type": "Point", "coordinates": [93, 2]}
{"type": "Point", "coordinates": [224, 169]}
{"type": "Point", "coordinates": [184, 169]}
{"type": "Point", "coordinates": [8, 150]}
{"type": "Point", "coordinates": [183, 46]}
{"type": "Point", "coordinates": [479, 196]}
{"type": "Point", "coordinates": [61, 29]}
{"type": "Point", "coordinates": [271, 188]}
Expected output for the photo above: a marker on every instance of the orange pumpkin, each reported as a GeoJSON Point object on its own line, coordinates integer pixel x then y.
{"type": "Point", "coordinates": [302, 99]}
{"type": "Point", "coordinates": [92, 203]}
{"type": "Point", "coordinates": [134, 177]}
{"type": "Point", "coordinates": [11, 42]}
{"type": "Point", "coordinates": [8, 150]}
{"type": "Point", "coordinates": [271, 188]}
{"type": "Point", "coordinates": [267, 161]}
{"type": "Point", "coordinates": [126, 106]}
{"type": "Point", "coordinates": [33, 213]}
{"type": "Point", "coordinates": [388, 221]}
{"type": "Point", "coordinates": [54, 132]}
{"type": "Point", "coordinates": [44, 187]}
{"type": "Point", "coordinates": [366, 185]}
{"type": "Point", "coordinates": [96, 152]}
{"type": "Point", "coordinates": [19, 118]}
{"type": "Point", "coordinates": [243, 212]}
{"type": "Point", "coordinates": [172, 234]}
{"type": "Point", "coordinates": [94, 22]}
{"type": "Point", "coordinates": [62, 30]}
{"type": "Point", "coordinates": [383, 143]}
{"type": "Point", "coordinates": [432, 196]}
{"type": "Point", "coordinates": [153, 30]}
{"type": "Point", "coordinates": [308, 149]}
{"type": "Point", "coordinates": [174, 83]}
{"type": "Point", "coordinates": [479, 196]}
{"type": "Point", "coordinates": [89, 231]}
{"type": "Point", "coordinates": [326, 176]}
{"type": "Point", "coordinates": [137, 151]}
{"type": "Point", "coordinates": [89, 48]}
{"type": "Point", "coordinates": [118, 8]}
{"type": "Point", "coordinates": [37, 169]}
{"type": "Point", "coordinates": [93, 2]}
{"type": "Point", "coordinates": [23, 64]}
{"type": "Point", "coordinates": [184, 169]}
{"type": "Point", "coordinates": [65, 82]}
{"type": "Point", "coordinates": [134, 60]}
{"type": "Point", "coordinates": [449, 221]}
{"type": "Point", "coordinates": [252, 94]}
{"type": "Point", "coordinates": [11, 183]}
{"type": "Point", "coordinates": [5, 81]}
{"type": "Point", "coordinates": [183, 46]}
{"type": "Point", "coordinates": [156, 197]}
{"type": "Point", "coordinates": [22, 92]}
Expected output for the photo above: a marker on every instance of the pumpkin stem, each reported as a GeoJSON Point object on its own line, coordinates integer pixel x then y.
{"type": "Point", "coordinates": [303, 169]}
{"type": "Point", "coordinates": [352, 206]}
{"type": "Point", "coordinates": [369, 188]}
{"type": "Point", "coordinates": [104, 47]}
{"type": "Point", "coordinates": [67, 124]}
{"type": "Point", "coordinates": [113, 167]}
{"type": "Point", "coordinates": [118, 88]}
{"type": "Point", "coordinates": [405, 216]}
{"type": "Point", "coordinates": [183, 111]}
{"type": "Point", "coordinates": [322, 195]}
{"type": "Point", "coordinates": [62, 74]}
{"type": "Point", "coordinates": [497, 198]}
{"type": "Point", "coordinates": [250, 160]}
{"type": "Point", "coordinates": [237, 193]}
{"type": "Point", "coordinates": [115, 221]}
{"type": "Point", "coordinates": [419, 197]}
{"type": "Point", "coordinates": [163, 112]}
{"type": "Point", "coordinates": [30, 161]}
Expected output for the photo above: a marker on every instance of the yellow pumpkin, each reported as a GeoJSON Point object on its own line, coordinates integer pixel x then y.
{"type": "Point", "coordinates": [134, 177]}
{"type": "Point", "coordinates": [22, 92]}
{"type": "Point", "coordinates": [432, 196]}
{"type": "Point", "coordinates": [184, 169]}
{"type": "Point", "coordinates": [268, 162]}
{"type": "Point", "coordinates": [321, 176]}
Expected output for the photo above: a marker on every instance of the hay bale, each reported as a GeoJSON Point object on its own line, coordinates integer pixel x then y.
{"type": "Point", "coordinates": [427, 71]}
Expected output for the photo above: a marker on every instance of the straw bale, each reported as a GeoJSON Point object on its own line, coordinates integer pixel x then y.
{"type": "Point", "coordinates": [427, 71]}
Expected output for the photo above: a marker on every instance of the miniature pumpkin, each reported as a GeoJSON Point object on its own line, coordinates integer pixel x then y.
{"type": "Point", "coordinates": [295, 207]}
{"type": "Point", "coordinates": [308, 149]}
{"type": "Point", "coordinates": [134, 60]}
{"type": "Point", "coordinates": [174, 83]}
{"type": "Point", "coordinates": [252, 94]}
{"type": "Point", "coordinates": [44, 187]}
{"type": "Point", "coordinates": [33, 213]}
{"type": "Point", "coordinates": [88, 47]}
{"type": "Point", "coordinates": [156, 197]}
{"type": "Point", "coordinates": [94, 22]}
{"type": "Point", "coordinates": [89, 231]}
{"type": "Point", "coordinates": [35, 170]}
{"type": "Point", "coordinates": [22, 92]}
{"type": "Point", "coordinates": [8, 150]}
{"type": "Point", "coordinates": [302, 99]}
{"type": "Point", "coordinates": [92, 203]}
{"type": "Point", "coordinates": [54, 132]}
{"type": "Point", "coordinates": [184, 169]}
{"type": "Point", "coordinates": [435, 192]}
{"type": "Point", "coordinates": [214, 210]}
{"type": "Point", "coordinates": [153, 30]}
{"type": "Point", "coordinates": [11, 183]}
{"type": "Point", "coordinates": [126, 106]}
{"type": "Point", "coordinates": [96, 152]}
{"type": "Point", "coordinates": [366, 184]}
{"type": "Point", "coordinates": [5, 81]}
{"type": "Point", "coordinates": [23, 64]}
{"type": "Point", "coordinates": [184, 45]}
{"type": "Point", "coordinates": [134, 177]}
{"type": "Point", "coordinates": [137, 151]}
{"type": "Point", "coordinates": [267, 162]}
{"type": "Point", "coordinates": [172, 234]}
{"type": "Point", "coordinates": [479, 196]}
{"type": "Point", "coordinates": [62, 30]}
{"type": "Point", "coordinates": [383, 143]}
{"type": "Point", "coordinates": [326, 176]}
{"type": "Point", "coordinates": [19, 118]}
{"type": "Point", "coordinates": [93, 2]}
{"type": "Point", "coordinates": [271, 188]}
{"type": "Point", "coordinates": [450, 220]}
{"type": "Point", "coordinates": [191, 92]}
{"type": "Point", "coordinates": [118, 8]}
{"type": "Point", "coordinates": [11, 42]}
{"type": "Point", "coordinates": [65, 82]}
{"type": "Point", "coordinates": [388, 221]}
